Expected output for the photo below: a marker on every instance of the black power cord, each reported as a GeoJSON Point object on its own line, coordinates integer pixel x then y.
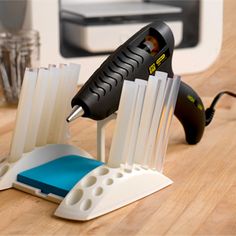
{"type": "Point", "coordinates": [211, 110]}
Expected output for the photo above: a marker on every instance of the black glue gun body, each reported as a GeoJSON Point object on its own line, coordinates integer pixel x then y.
{"type": "Point", "coordinates": [146, 52]}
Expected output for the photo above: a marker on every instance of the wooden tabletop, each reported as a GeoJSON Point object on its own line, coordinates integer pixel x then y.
{"type": "Point", "coordinates": [202, 199]}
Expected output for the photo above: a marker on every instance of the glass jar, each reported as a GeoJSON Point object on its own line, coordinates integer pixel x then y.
{"type": "Point", "coordinates": [17, 51]}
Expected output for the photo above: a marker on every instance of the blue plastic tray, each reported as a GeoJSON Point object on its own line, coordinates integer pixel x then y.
{"type": "Point", "coordinates": [58, 176]}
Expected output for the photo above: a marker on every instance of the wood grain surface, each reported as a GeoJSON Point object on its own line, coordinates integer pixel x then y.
{"type": "Point", "coordinates": [202, 200]}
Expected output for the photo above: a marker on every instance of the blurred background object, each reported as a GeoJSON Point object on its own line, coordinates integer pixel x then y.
{"type": "Point", "coordinates": [15, 15]}
{"type": "Point", "coordinates": [19, 47]}
{"type": "Point", "coordinates": [17, 51]}
{"type": "Point", "coordinates": [86, 32]}
{"type": "Point", "coordinates": [90, 30]}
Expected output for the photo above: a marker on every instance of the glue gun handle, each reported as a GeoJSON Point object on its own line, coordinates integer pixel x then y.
{"type": "Point", "coordinates": [191, 113]}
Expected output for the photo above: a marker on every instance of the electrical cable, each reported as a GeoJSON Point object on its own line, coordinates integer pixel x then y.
{"type": "Point", "coordinates": [211, 110]}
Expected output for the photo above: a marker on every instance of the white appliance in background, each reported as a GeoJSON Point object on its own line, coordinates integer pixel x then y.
{"type": "Point", "coordinates": [118, 22]}
{"type": "Point", "coordinates": [191, 55]}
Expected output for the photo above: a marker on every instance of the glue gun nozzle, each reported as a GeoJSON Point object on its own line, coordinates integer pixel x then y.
{"type": "Point", "coordinates": [76, 112]}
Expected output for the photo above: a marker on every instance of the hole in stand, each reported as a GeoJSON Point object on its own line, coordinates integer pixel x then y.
{"type": "Point", "coordinates": [98, 191]}
{"type": "Point", "coordinates": [75, 197]}
{"type": "Point", "coordinates": [2, 160]}
{"type": "Point", "coordinates": [127, 171]}
{"type": "Point", "coordinates": [86, 204]}
{"type": "Point", "coordinates": [119, 175]}
{"type": "Point", "coordinates": [3, 170]}
{"type": "Point", "coordinates": [103, 171]}
{"type": "Point", "coordinates": [144, 167]}
{"type": "Point", "coordinates": [89, 181]}
{"type": "Point", "coordinates": [109, 182]}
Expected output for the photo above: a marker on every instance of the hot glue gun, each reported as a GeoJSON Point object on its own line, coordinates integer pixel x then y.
{"type": "Point", "coordinates": [147, 51]}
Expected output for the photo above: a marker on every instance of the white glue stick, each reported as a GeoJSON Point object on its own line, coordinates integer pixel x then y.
{"type": "Point", "coordinates": [23, 115]}
{"type": "Point", "coordinates": [36, 111]}
{"type": "Point", "coordinates": [134, 127]}
{"type": "Point", "coordinates": [127, 102]}
{"type": "Point", "coordinates": [146, 118]}
{"type": "Point", "coordinates": [47, 112]}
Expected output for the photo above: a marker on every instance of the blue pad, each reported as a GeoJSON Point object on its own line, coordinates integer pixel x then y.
{"type": "Point", "coordinates": [58, 176]}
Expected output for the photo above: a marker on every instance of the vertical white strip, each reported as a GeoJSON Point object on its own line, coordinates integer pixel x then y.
{"type": "Point", "coordinates": [47, 113]}
{"type": "Point", "coordinates": [37, 107]}
{"type": "Point", "coordinates": [160, 97]}
{"type": "Point", "coordinates": [60, 96]}
{"type": "Point", "coordinates": [131, 120]}
{"type": "Point", "coordinates": [134, 127]}
{"type": "Point", "coordinates": [161, 128]}
{"type": "Point", "coordinates": [23, 115]}
{"type": "Point", "coordinates": [71, 78]}
{"type": "Point", "coordinates": [161, 151]}
{"type": "Point", "coordinates": [70, 87]}
{"type": "Point", "coordinates": [127, 103]}
{"type": "Point", "coordinates": [146, 118]}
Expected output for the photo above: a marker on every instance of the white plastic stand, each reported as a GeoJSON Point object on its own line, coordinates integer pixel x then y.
{"type": "Point", "coordinates": [39, 156]}
{"type": "Point", "coordinates": [106, 187]}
